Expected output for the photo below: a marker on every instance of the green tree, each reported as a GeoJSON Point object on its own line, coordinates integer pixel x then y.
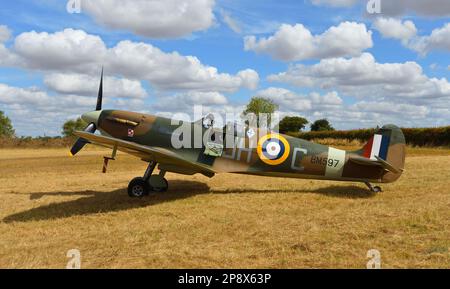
{"type": "Point", "coordinates": [72, 125]}
{"type": "Point", "coordinates": [292, 124]}
{"type": "Point", "coordinates": [260, 105]}
{"type": "Point", "coordinates": [6, 128]}
{"type": "Point", "coordinates": [321, 125]}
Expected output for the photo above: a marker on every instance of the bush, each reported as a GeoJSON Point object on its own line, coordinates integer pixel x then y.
{"type": "Point", "coordinates": [321, 125]}
{"type": "Point", "coordinates": [439, 136]}
{"type": "Point", "coordinates": [72, 125]}
{"type": "Point", "coordinates": [37, 142]}
{"type": "Point", "coordinates": [292, 124]}
{"type": "Point", "coordinates": [6, 128]}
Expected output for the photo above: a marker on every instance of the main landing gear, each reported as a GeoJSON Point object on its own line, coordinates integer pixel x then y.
{"type": "Point", "coordinates": [142, 186]}
{"type": "Point", "coordinates": [373, 189]}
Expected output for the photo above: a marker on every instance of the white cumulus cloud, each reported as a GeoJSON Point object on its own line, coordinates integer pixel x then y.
{"type": "Point", "coordinates": [174, 71]}
{"type": "Point", "coordinates": [154, 19]}
{"type": "Point", "coordinates": [75, 51]}
{"type": "Point", "coordinates": [63, 50]}
{"type": "Point", "coordinates": [180, 101]}
{"type": "Point", "coordinates": [82, 84]}
{"type": "Point", "coordinates": [439, 39]}
{"type": "Point", "coordinates": [6, 57]}
{"type": "Point", "coordinates": [286, 99]}
{"type": "Point", "coordinates": [364, 77]}
{"type": "Point", "coordinates": [293, 43]}
{"type": "Point", "coordinates": [395, 28]}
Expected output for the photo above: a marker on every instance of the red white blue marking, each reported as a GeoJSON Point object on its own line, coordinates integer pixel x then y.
{"type": "Point", "coordinates": [273, 149]}
{"type": "Point", "coordinates": [377, 146]}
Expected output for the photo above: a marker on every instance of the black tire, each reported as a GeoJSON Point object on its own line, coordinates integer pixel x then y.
{"type": "Point", "coordinates": [161, 189]}
{"type": "Point", "coordinates": [138, 188]}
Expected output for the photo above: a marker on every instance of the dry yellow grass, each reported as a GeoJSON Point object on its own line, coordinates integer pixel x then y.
{"type": "Point", "coordinates": [50, 203]}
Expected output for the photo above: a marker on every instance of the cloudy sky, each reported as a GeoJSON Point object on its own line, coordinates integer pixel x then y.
{"type": "Point", "coordinates": [315, 58]}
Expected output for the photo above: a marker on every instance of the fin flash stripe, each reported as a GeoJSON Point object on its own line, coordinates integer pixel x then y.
{"type": "Point", "coordinates": [378, 146]}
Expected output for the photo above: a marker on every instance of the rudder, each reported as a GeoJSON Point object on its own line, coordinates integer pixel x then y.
{"type": "Point", "coordinates": [388, 143]}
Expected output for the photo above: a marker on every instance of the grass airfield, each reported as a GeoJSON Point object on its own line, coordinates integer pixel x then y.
{"type": "Point", "coordinates": [50, 204]}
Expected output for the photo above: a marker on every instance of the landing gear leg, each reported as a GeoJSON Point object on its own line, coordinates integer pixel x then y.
{"type": "Point", "coordinates": [148, 173]}
{"type": "Point", "coordinates": [373, 189]}
{"type": "Point", "coordinates": [140, 187]}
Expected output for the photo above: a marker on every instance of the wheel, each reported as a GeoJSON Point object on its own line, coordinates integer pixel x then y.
{"type": "Point", "coordinates": [162, 188]}
{"type": "Point", "coordinates": [158, 184]}
{"type": "Point", "coordinates": [377, 189]}
{"type": "Point", "coordinates": [138, 188]}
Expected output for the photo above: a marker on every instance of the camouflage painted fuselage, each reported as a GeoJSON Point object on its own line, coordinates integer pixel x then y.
{"type": "Point", "coordinates": [302, 159]}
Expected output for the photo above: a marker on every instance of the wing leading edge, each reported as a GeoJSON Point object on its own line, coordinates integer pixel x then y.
{"type": "Point", "coordinates": [160, 155]}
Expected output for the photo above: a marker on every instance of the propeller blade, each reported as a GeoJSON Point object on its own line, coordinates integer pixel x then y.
{"type": "Point", "coordinates": [81, 142]}
{"type": "Point", "coordinates": [100, 94]}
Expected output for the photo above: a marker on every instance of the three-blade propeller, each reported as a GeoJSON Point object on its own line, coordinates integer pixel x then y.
{"type": "Point", "coordinates": [91, 128]}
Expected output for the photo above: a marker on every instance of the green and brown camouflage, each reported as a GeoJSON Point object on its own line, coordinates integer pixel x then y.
{"type": "Point", "coordinates": [197, 147]}
{"type": "Point", "coordinates": [150, 137]}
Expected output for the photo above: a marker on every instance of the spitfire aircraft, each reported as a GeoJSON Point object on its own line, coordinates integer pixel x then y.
{"type": "Point", "coordinates": [150, 137]}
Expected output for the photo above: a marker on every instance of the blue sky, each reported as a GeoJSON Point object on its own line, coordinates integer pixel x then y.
{"type": "Point", "coordinates": [405, 79]}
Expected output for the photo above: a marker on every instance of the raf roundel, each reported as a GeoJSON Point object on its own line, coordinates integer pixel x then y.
{"type": "Point", "coordinates": [273, 149]}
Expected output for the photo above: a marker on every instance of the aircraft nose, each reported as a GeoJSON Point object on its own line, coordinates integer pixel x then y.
{"type": "Point", "coordinates": [92, 117]}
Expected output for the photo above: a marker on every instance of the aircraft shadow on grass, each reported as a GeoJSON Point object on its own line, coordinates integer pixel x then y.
{"type": "Point", "coordinates": [94, 202]}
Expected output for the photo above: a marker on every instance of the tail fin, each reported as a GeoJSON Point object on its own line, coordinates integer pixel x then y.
{"type": "Point", "coordinates": [388, 144]}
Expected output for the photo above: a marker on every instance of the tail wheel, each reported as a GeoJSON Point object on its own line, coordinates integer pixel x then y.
{"type": "Point", "coordinates": [377, 189]}
{"type": "Point", "coordinates": [373, 189]}
{"type": "Point", "coordinates": [138, 188]}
